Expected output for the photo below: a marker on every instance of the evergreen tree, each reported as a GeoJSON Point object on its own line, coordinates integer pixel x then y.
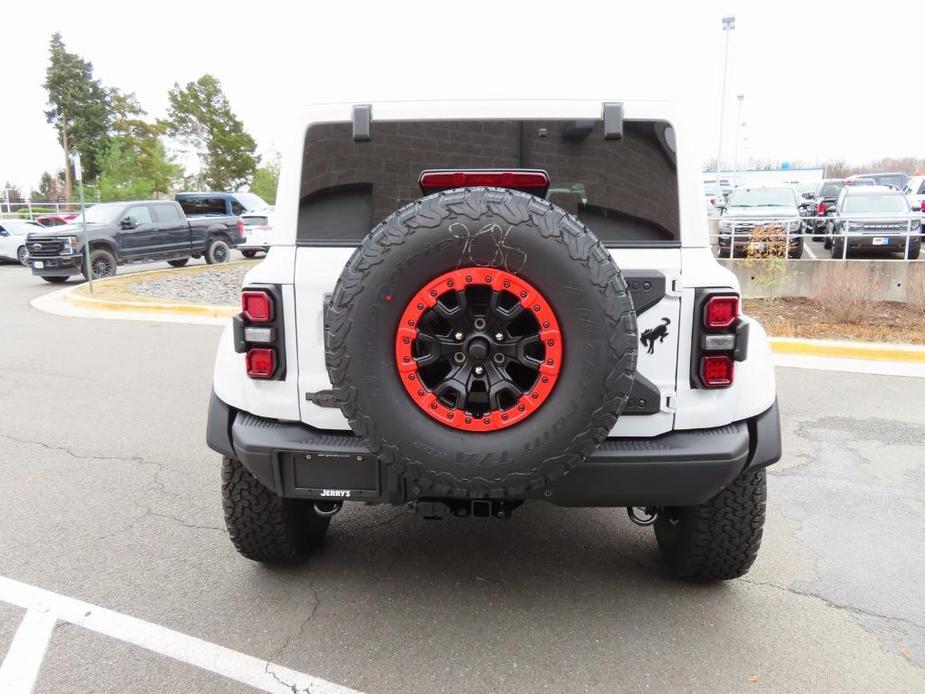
{"type": "Point", "coordinates": [201, 117]}
{"type": "Point", "coordinates": [78, 108]}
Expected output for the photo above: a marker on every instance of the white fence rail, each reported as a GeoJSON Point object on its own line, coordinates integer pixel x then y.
{"type": "Point", "coordinates": [33, 208]}
{"type": "Point", "coordinates": [890, 236]}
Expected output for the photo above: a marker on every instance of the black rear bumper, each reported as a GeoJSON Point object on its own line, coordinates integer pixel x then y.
{"type": "Point", "coordinates": [680, 468]}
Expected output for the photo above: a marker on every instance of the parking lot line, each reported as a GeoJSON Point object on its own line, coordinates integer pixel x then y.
{"type": "Point", "coordinates": [45, 607]}
{"type": "Point", "coordinates": [808, 247]}
{"type": "Point", "coordinates": [22, 662]}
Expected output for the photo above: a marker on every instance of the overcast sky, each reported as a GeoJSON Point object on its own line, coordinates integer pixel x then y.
{"type": "Point", "coordinates": [820, 79]}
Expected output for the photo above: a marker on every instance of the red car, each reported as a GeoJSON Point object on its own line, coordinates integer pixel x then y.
{"type": "Point", "coordinates": [55, 220]}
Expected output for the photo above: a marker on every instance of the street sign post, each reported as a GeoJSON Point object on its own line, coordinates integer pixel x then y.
{"type": "Point", "coordinates": [78, 174]}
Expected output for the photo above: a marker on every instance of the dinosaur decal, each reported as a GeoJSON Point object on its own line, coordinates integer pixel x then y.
{"type": "Point", "coordinates": [659, 332]}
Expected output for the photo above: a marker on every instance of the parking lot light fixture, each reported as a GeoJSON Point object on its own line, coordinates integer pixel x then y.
{"type": "Point", "coordinates": [729, 24]}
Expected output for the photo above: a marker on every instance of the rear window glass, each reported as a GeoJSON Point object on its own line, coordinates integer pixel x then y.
{"type": "Point", "coordinates": [254, 221]}
{"type": "Point", "coordinates": [200, 206]}
{"type": "Point", "coordinates": [831, 190]}
{"type": "Point", "coordinates": [625, 191]}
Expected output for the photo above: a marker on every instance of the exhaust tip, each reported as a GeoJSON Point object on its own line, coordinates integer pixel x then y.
{"type": "Point", "coordinates": [327, 508]}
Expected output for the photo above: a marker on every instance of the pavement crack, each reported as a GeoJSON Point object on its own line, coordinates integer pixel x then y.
{"type": "Point", "coordinates": [68, 451]}
{"type": "Point", "coordinates": [298, 634]}
{"type": "Point", "coordinates": [836, 605]}
{"type": "Point", "coordinates": [181, 521]}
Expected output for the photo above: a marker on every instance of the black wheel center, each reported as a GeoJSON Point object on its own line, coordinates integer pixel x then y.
{"type": "Point", "coordinates": [478, 348]}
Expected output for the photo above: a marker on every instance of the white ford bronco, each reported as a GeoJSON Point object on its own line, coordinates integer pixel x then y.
{"type": "Point", "coordinates": [470, 305]}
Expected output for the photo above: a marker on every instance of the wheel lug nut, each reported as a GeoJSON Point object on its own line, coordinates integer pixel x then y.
{"type": "Point", "coordinates": [479, 370]}
{"type": "Point", "coordinates": [458, 335]}
{"type": "Point", "coordinates": [499, 337]}
{"type": "Point", "coordinates": [459, 357]}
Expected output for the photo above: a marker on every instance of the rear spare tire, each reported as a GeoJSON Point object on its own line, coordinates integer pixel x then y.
{"type": "Point", "coordinates": [482, 342]}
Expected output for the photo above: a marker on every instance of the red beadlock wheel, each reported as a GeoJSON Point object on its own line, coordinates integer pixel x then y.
{"type": "Point", "coordinates": [478, 349]}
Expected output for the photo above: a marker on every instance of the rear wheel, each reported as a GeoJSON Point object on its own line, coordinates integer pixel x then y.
{"type": "Point", "coordinates": [914, 252]}
{"type": "Point", "coordinates": [263, 526]}
{"type": "Point", "coordinates": [719, 539]}
{"type": "Point", "coordinates": [179, 262]}
{"type": "Point", "coordinates": [838, 250]}
{"type": "Point", "coordinates": [102, 262]}
{"type": "Point", "coordinates": [248, 254]}
{"type": "Point", "coordinates": [218, 251]}
{"type": "Point", "coordinates": [55, 280]}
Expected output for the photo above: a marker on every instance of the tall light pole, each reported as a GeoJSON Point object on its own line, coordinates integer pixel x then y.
{"type": "Point", "coordinates": [739, 124]}
{"type": "Point", "coordinates": [729, 23]}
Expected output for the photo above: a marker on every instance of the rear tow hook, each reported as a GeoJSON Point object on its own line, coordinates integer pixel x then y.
{"type": "Point", "coordinates": [327, 508]}
{"type": "Point", "coordinates": [648, 514]}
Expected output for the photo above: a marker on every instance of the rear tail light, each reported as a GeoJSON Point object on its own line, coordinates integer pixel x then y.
{"type": "Point", "coordinates": [721, 311]}
{"type": "Point", "coordinates": [720, 339]}
{"type": "Point", "coordinates": [261, 362]}
{"type": "Point", "coordinates": [820, 210]}
{"type": "Point", "coordinates": [528, 181]}
{"type": "Point", "coordinates": [717, 371]}
{"type": "Point", "coordinates": [257, 306]}
{"type": "Point", "coordinates": [259, 334]}
{"type": "Point", "coordinates": [240, 228]}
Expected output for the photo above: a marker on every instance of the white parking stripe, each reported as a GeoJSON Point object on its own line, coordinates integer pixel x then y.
{"type": "Point", "coordinates": [22, 662]}
{"type": "Point", "coordinates": [858, 366]}
{"type": "Point", "coordinates": [808, 244]}
{"type": "Point", "coordinates": [246, 669]}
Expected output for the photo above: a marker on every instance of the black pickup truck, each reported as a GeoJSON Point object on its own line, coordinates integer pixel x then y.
{"type": "Point", "coordinates": [131, 232]}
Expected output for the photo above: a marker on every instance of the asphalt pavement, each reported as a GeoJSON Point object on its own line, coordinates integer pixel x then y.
{"type": "Point", "coordinates": [109, 495]}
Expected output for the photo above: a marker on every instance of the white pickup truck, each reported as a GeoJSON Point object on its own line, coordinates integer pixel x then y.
{"type": "Point", "coordinates": [472, 305]}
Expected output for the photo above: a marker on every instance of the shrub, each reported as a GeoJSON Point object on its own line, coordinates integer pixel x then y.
{"type": "Point", "coordinates": [766, 256]}
{"type": "Point", "coordinates": [844, 290]}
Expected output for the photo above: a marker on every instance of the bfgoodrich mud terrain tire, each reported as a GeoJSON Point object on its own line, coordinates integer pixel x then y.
{"type": "Point", "coordinates": [263, 526]}
{"type": "Point", "coordinates": [500, 241]}
{"type": "Point", "coordinates": [717, 540]}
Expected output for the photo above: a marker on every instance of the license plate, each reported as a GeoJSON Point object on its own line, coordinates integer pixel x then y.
{"type": "Point", "coordinates": [881, 241]}
{"type": "Point", "coordinates": [38, 263]}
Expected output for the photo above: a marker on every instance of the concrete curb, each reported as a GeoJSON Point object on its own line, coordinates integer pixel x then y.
{"type": "Point", "coordinates": [115, 297]}
{"type": "Point", "coordinates": [207, 310]}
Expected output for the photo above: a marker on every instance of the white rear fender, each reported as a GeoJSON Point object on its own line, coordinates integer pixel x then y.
{"type": "Point", "coordinates": [273, 399]}
{"type": "Point", "coordinates": [753, 390]}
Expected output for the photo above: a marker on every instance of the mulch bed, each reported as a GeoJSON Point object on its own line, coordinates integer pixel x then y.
{"type": "Point", "coordinates": [884, 321]}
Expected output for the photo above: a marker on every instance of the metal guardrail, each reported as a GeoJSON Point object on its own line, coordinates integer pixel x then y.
{"type": "Point", "coordinates": [729, 243]}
